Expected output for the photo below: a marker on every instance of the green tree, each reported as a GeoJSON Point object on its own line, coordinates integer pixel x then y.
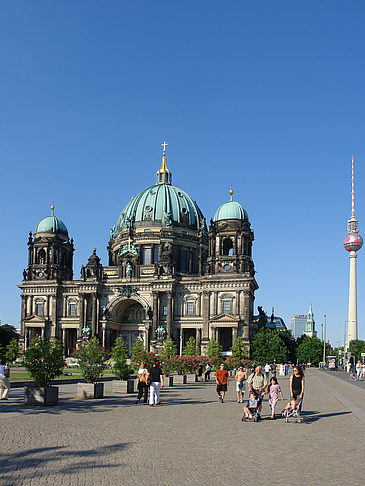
{"type": "Point", "coordinates": [310, 350]}
{"type": "Point", "coordinates": [291, 344]}
{"type": "Point", "coordinates": [119, 355]}
{"type": "Point", "coordinates": [214, 351]}
{"type": "Point", "coordinates": [167, 355]}
{"type": "Point", "coordinates": [357, 346]}
{"type": "Point", "coordinates": [43, 360]}
{"type": "Point", "coordinates": [137, 350]}
{"type": "Point", "coordinates": [7, 333]}
{"type": "Point", "coordinates": [191, 348]}
{"type": "Point", "coordinates": [91, 358]}
{"type": "Point", "coordinates": [169, 349]}
{"type": "Point", "coordinates": [12, 350]}
{"type": "Point", "coordinates": [267, 345]}
{"type": "Point", "coordinates": [239, 349]}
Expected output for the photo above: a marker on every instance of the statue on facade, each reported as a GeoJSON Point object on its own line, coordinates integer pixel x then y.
{"type": "Point", "coordinates": [166, 219]}
{"type": "Point", "coordinates": [86, 332]}
{"type": "Point", "coordinates": [82, 273]}
{"type": "Point", "coordinates": [202, 226]}
{"type": "Point", "coordinates": [149, 311]}
{"type": "Point", "coordinates": [128, 269]}
{"type": "Point", "coordinates": [111, 232]}
{"type": "Point", "coordinates": [104, 311]}
{"type": "Point", "coordinates": [262, 317]}
{"type": "Point", "coordinates": [160, 333]}
{"type": "Point", "coordinates": [25, 275]}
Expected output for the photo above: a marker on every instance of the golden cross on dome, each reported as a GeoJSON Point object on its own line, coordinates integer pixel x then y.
{"type": "Point", "coordinates": [164, 145]}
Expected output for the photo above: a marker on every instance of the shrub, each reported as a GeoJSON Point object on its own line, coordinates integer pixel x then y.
{"type": "Point", "coordinates": [119, 355]}
{"type": "Point", "coordinates": [12, 350]}
{"type": "Point", "coordinates": [44, 361]}
{"type": "Point", "coordinates": [214, 351]}
{"type": "Point", "coordinates": [91, 357]}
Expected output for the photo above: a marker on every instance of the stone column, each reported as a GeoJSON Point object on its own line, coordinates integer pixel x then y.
{"type": "Point", "coordinates": [97, 315]}
{"type": "Point", "coordinates": [54, 317]}
{"type": "Point", "coordinates": [198, 337]}
{"type": "Point", "coordinates": [103, 334]}
{"type": "Point", "coordinates": [246, 314]}
{"type": "Point", "coordinates": [169, 314]}
{"type": "Point", "coordinates": [234, 334]}
{"type": "Point", "coordinates": [81, 314]}
{"type": "Point", "coordinates": [93, 315]}
{"type": "Point", "coordinates": [205, 315]}
{"type": "Point", "coordinates": [155, 310]}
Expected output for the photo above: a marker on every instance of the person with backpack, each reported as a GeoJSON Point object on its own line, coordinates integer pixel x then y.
{"type": "Point", "coordinates": [4, 380]}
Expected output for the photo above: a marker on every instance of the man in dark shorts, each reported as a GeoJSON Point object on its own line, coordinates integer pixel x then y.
{"type": "Point", "coordinates": [222, 379]}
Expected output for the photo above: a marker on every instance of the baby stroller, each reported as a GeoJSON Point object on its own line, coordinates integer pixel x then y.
{"type": "Point", "coordinates": [290, 411]}
{"type": "Point", "coordinates": [255, 416]}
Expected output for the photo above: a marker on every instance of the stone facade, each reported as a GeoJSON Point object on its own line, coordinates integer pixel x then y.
{"type": "Point", "coordinates": [166, 270]}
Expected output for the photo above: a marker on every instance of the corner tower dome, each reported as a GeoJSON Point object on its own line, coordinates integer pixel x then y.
{"type": "Point", "coordinates": [162, 204]}
{"type": "Point", "coordinates": [231, 210]}
{"type": "Point", "coordinates": [50, 225]}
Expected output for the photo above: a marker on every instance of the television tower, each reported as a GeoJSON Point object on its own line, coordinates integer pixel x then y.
{"type": "Point", "coordinates": [352, 243]}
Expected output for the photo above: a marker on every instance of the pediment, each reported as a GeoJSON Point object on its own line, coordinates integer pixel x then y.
{"type": "Point", "coordinates": [35, 320]}
{"type": "Point", "coordinates": [224, 318]}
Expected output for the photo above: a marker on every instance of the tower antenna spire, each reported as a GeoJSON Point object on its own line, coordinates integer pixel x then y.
{"type": "Point", "coordinates": [352, 190]}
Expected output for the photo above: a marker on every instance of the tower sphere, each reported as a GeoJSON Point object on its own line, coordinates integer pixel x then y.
{"type": "Point", "coordinates": [353, 242]}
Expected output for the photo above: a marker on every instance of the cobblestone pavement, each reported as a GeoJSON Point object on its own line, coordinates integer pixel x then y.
{"type": "Point", "coordinates": [191, 439]}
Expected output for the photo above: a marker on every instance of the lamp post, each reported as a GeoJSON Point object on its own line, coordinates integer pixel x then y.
{"type": "Point", "coordinates": [324, 340]}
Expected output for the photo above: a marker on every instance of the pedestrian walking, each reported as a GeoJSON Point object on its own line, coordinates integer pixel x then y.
{"type": "Point", "coordinates": [274, 391]}
{"type": "Point", "coordinates": [155, 375]}
{"type": "Point", "coordinates": [4, 380]}
{"type": "Point", "coordinates": [273, 369]}
{"type": "Point", "coordinates": [222, 380]}
{"type": "Point", "coordinates": [200, 372]}
{"type": "Point", "coordinates": [142, 383]}
{"type": "Point", "coordinates": [267, 371]}
{"type": "Point", "coordinates": [257, 383]}
{"type": "Point", "coordinates": [207, 373]}
{"type": "Point", "coordinates": [297, 384]}
{"type": "Point", "coordinates": [358, 370]}
{"type": "Point", "coordinates": [241, 377]}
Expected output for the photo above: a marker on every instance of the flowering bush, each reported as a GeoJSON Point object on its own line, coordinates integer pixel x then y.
{"type": "Point", "coordinates": [43, 361]}
{"type": "Point", "coordinates": [234, 363]}
{"type": "Point", "coordinates": [145, 357]}
{"type": "Point", "coordinates": [186, 364]}
{"type": "Point", "coordinates": [91, 358]}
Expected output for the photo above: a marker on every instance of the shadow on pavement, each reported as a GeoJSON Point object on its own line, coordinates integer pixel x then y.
{"type": "Point", "coordinates": [33, 462]}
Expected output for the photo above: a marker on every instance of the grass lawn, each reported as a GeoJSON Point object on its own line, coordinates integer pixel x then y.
{"type": "Point", "coordinates": [21, 374]}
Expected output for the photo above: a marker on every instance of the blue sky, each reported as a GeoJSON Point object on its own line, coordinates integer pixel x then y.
{"type": "Point", "coordinates": [265, 96]}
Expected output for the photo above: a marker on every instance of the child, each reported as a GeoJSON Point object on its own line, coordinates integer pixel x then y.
{"type": "Point", "coordinates": [291, 405]}
{"type": "Point", "coordinates": [273, 391]}
{"type": "Point", "coordinates": [252, 404]}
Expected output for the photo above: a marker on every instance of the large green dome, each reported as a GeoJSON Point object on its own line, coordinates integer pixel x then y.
{"type": "Point", "coordinates": [230, 210]}
{"type": "Point", "coordinates": [52, 225]}
{"type": "Point", "coordinates": [163, 204]}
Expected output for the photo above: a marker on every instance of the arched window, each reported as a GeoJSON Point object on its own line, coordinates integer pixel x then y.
{"type": "Point", "coordinates": [42, 256]}
{"type": "Point", "coordinates": [227, 247]}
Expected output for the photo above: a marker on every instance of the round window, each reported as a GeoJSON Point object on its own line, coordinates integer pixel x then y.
{"type": "Point", "coordinates": [227, 267]}
{"type": "Point", "coordinates": [184, 210]}
{"type": "Point", "coordinates": [148, 209]}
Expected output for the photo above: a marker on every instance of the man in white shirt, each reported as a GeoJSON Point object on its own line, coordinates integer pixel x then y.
{"type": "Point", "coordinates": [267, 371]}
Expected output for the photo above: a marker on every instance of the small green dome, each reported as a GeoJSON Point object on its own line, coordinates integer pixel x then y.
{"type": "Point", "coordinates": [230, 210]}
{"type": "Point", "coordinates": [52, 225]}
{"type": "Point", "coordinates": [162, 204]}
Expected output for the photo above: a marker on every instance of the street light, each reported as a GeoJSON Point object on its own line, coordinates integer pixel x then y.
{"type": "Point", "coordinates": [324, 340]}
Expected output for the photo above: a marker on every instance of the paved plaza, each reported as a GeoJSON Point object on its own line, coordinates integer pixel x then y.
{"type": "Point", "coordinates": [190, 439]}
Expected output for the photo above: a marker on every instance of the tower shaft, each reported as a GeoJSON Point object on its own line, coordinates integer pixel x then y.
{"type": "Point", "coordinates": [352, 316]}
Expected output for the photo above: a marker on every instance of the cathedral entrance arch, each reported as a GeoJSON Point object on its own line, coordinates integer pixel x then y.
{"type": "Point", "coordinates": [128, 321]}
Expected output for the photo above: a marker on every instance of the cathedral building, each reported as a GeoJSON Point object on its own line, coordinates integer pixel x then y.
{"type": "Point", "coordinates": [167, 275]}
